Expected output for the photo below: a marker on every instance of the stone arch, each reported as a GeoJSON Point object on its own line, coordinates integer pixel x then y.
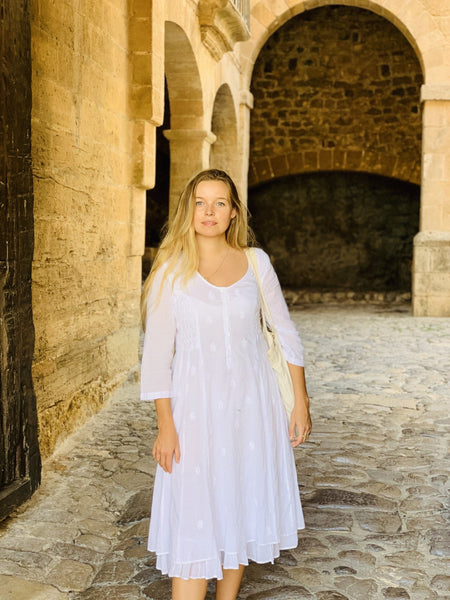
{"type": "Point", "coordinates": [340, 71]}
{"type": "Point", "coordinates": [183, 79]}
{"type": "Point", "coordinates": [224, 127]}
{"type": "Point", "coordinates": [324, 159]}
{"type": "Point", "coordinates": [426, 33]}
{"type": "Point", "coordinates": [189, 142]}
{"type": "Point", "coordinates": [413, 20]}
{"type": "Point", "coordinates": [298, 131]}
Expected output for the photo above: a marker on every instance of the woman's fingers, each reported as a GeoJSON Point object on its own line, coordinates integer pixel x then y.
{"type": "Point", "coordinates": [165, 457]}
{"type": "Point", "coordinates": [298, 434]}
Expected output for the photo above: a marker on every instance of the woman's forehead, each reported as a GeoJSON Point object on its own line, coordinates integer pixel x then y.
{"type": "Point", "coordinates": [212, 187]}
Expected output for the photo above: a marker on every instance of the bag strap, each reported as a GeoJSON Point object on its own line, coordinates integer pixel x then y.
{"type": "Point", "coordinates": [251, 255]}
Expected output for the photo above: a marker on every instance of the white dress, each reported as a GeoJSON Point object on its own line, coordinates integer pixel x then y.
{"type": "Point", "coordinates": [234, 495]}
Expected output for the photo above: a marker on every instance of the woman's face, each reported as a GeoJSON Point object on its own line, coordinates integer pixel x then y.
{"type": "Point", "coordinates": [213, 211]}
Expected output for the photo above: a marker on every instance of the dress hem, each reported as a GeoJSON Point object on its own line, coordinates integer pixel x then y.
{"type": "Point", "coordinates": [179, 568]}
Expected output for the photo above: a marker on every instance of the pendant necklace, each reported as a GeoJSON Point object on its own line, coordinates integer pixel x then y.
{"type": "Point", "coordinates": [221, 263]}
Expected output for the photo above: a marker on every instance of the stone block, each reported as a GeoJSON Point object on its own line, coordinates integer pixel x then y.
{"type": "Point", "coordinates": [54, 101]}
{"type": "Point", "coordinates": [436, 114]}
{"type": "Point", "coordinates": [379, 522]}
{"type": "Point", "coordinates": [434, 284]}
{"type": "Point", "coordinates": [57, 21]}
{"type": "Point", "coordinates": [263, 15]}
{"type": "Point", "coordinates": [280, 166]}
{"type": "Point", "coordinates": [345, 499]}
{"type": "Point", "coordinates": [140, 35]}
{"type": "Point", "coordinates": [16, 588]}
{"type": "Point", "coordinates": [140, 8]}
{"type": "Point", "coordinates": [436, 306]}
{"type": "Point", "coordinates": [70, 576]}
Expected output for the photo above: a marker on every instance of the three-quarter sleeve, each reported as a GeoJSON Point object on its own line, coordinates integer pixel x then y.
{"type": "Point", "coordinates": [159, 342]}
{"type": "Point", "coordinates": [281, 320]}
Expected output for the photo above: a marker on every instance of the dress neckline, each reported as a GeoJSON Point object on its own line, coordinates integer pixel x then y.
{"type": "Point", "coordinates": [226, 287]}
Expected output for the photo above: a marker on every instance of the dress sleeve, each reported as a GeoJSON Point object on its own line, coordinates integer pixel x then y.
{"type": "Point", "coordinates": [159, 342]}
{"type": "Point", "coordinates": [281, 320]}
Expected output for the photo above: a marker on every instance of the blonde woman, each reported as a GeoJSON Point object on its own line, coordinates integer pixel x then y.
{"type": "Point", "coordinates": [226, 487]}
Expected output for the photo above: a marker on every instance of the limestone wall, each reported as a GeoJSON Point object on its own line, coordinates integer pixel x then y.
{"type": "Point", "coordinates": [336, 88]}
{"type": "Point", "coordinates": [85, 283]}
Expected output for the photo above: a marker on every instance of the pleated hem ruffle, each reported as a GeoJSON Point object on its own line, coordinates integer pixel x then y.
{"type": "Point", "coordinates": [211, 568]}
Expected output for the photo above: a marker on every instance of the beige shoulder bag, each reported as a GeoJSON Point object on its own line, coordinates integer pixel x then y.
{"type": "Point", "coordinates": [275, 351]}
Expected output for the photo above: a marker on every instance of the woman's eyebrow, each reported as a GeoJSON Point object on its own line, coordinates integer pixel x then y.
{"type": "Point", "coordinates": [217, 198]}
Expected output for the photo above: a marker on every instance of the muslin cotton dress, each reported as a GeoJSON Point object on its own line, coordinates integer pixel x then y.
{"type": "Point", "coordinates": [234, 495]}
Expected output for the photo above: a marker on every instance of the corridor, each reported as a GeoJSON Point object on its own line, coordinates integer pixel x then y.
{"type": "Point", "coordinates": [373, 480]}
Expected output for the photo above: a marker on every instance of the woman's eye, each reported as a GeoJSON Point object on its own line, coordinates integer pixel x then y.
{"type": "Point", "coordinates": [221, 204]}
{"type": "Point", "coordinates": [199, 203]}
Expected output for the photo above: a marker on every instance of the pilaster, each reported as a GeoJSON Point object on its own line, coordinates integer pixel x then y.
{"type": "Point", "coordinates": [189, 153]}
{"type": "Point", "coordinates": [431, 265]}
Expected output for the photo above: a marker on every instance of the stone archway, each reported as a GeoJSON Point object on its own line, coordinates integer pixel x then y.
{"type": "Point", "coordinates": [431, 283]}
{"type": "Point", "coordinates": [337, 89]}
{"type": "Point", "coordinates": [189, 142]}
{"type": "Point", "coordinates": [224, 127]}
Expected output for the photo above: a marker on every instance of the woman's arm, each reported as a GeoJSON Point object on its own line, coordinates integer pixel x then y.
{"type": "Point", "coordinates": [166, 445]}
{"type": "Point", "coordinates": [156, 369]}
{"type": "Point", "coordinates": [300, 423]}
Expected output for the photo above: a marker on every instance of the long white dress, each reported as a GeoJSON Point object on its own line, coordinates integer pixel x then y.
{"type": "Point", "coordinates": [234, 495]}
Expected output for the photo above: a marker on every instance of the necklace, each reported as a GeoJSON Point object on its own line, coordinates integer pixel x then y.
{"type": "Point", "coordinates": [221, 263]}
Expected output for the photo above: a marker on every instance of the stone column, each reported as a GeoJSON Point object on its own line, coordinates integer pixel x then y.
{"type": "Point", "coordinates": [431, 267]}
{"type": "Point", "coordinates": [245, 106]}
{"type": "Point", "coordinates": [189, 153]}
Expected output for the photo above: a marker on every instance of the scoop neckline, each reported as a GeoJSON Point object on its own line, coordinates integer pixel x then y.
{"type": "Point", "coordinates": [226, 287]}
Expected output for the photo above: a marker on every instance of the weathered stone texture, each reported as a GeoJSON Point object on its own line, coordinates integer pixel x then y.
{"type": "Point", "coordinates": [336, 88]}
{"type": "Point", "coordinates": [86, 284]}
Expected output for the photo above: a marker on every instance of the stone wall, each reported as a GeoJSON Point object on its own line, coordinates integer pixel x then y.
{"type": "Point", "coordinates": [335, 231]}
{"type": "Point", "coordinates": [336, 88]}
{"type": "Point", "coordinates": [86, 285]}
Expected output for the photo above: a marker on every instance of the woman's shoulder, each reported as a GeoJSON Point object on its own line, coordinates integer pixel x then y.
{"type": "Point", "coordinates": [262, 257]}
{"type": "Point", "coordinates": [162, 274]}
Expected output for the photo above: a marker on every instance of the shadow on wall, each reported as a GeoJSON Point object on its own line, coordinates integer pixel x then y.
{"type": "Point", "coordinates": [333, 231]}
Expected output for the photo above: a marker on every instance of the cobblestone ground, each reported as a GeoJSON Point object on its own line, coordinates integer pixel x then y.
{"type": "Point", "coordinates": [373, 480]}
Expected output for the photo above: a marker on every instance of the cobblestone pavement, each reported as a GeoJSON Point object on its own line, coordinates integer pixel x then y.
{"type": "Point", "coordinates": [373, 481]}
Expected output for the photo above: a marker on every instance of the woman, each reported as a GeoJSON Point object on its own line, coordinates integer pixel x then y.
{"type": "Point", "coordinates": [226, 487]}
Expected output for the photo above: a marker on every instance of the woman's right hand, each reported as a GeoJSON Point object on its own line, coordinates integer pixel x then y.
{"type": "Point", "coordinates": [166, 446]}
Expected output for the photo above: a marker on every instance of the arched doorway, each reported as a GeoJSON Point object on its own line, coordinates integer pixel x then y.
{"type": "Point", "coordinates": [157, 198]}
{"type": "Point", "coordinates": [338, 234]}
{"type": "Point", "coordinates": [337, 88]}
{"type": "Point", "coordinates": [224, 127]}
{"type": "Point", "coordinates": [421, 27]}
{"type": "Point", "coordinates": [189, 143]}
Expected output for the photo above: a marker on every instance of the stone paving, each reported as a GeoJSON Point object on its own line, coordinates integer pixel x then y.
{"type": "Point", "coordinates": [373, 480]}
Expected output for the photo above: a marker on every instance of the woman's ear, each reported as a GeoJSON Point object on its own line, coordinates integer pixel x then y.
{"type": "Point", "coordinates": [233, 213]}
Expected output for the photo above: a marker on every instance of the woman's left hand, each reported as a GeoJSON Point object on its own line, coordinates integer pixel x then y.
{"type": "Point", "coordinates": [300, 423]}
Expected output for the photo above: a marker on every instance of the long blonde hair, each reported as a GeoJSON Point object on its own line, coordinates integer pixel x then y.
{"type": "Point", "coordinates": [178, 249]}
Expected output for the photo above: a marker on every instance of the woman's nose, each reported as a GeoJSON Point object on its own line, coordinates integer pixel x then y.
{"type": "Point", "coordinates": [209, 210]}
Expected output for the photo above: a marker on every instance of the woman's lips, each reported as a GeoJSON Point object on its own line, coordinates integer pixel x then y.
{"type": "Point", "coordinates": [209, 223]}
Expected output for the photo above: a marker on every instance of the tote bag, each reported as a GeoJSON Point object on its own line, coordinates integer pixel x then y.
{"type": "Point", "coordinates": [274, 351]}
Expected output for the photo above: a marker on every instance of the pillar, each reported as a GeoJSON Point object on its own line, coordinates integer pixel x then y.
{"type": "Point", "coordinates": [189, 153]}
{"type": "Point", "coordinates": [245, 106]}
{"type": "Point", "coordinates": [431, 265]}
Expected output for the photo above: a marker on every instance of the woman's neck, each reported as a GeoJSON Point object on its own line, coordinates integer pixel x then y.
{"type": "Point", "coordinates": [213, 246]}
